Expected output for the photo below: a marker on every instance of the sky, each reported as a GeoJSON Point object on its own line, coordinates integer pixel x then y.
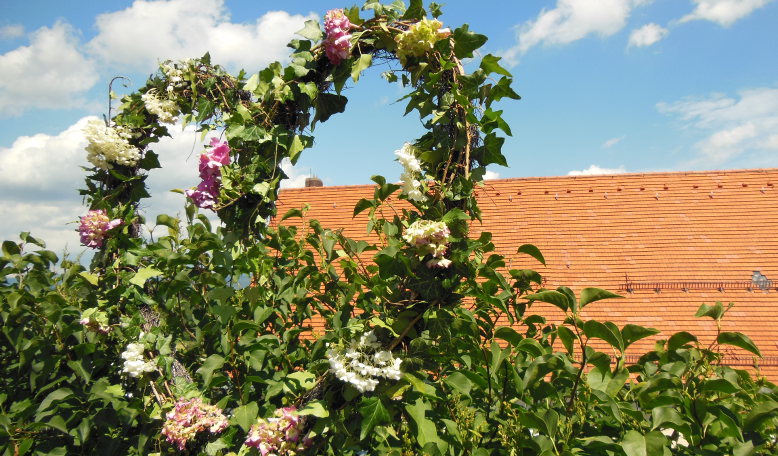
{"type": "Point", "coordinates": [607, 86]}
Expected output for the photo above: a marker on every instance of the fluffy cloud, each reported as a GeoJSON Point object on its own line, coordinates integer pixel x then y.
{"type": "Point", "coordinates": [724, 12]}
{"type": "Point", "coordinates": [595, 170]}
{"type": "Point", "coordinates": [612, 142]}
{"type": "Point", "coordinates": [491, 175]}
{"type": "Point", "coordinates": [48, 73]}
{"type": "Point", "coordinates": [647, 35]}
{"type": "Point", "coordinates": [296, 179]}
{"type": "Point", "coordinates": [730, 127]}
{"type": "Point", "coordinates": [571, 20]}
{"type": "Point", "coordinates": [138, 36]}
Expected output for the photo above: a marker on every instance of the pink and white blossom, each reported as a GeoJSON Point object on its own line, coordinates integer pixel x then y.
{"type": "Point", "coordinates": [337, 44]}
{"type": "Point", "coordinates": [190, 417]}
{"type": "Point", "coordinates": [94, 226]}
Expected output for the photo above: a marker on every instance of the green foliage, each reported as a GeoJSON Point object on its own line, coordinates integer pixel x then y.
{"type": "Point", "coordinates": [250, 317]}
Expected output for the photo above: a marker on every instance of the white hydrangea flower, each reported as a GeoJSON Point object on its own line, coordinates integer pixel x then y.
{"type": "Point", "coordinates": [134, 363]}
{"type": "Point", "coordinates": [411, 187]}
{"type": "Point", "coordinates": [108, 145]}
{"type": "Point", "coordinates": [429, 238]}
{"type": "Point", "coordinates": [166, 110]}
{"type": "Point", "coordinates": [174, 73]}
{"type": "Point", "coordinates": [362, 362]}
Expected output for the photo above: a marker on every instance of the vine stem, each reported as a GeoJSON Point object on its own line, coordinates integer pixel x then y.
{"type": "Point", "coordinates": [405, 332]}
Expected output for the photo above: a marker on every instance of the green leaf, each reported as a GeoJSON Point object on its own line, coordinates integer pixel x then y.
{"type": "Point", "coordinates": [532, 251]}
{"type": "Point", "coordinates": [715, 311]}
{"type": "Point", "coordinates": [426, 431]}
{"type": "Point", "coordinates": [211, 363]}
{"type": "Point", "coordinates": [632, 333]}
{"type": "Point", "coordinates": [90, 277]}
{"type": "Point", "coordinates": [465, 42]}
{"type": "Point", "coordinates": [292, 213]}
{"type": "Point", "coordinates": [599, 330]}
{"type": "Point", "coordinates": [636, 444]}
{"type": "Point", "coordinates": [453, 215]}
{"type": "Point", "coordinates": [759, 414]}
{"type": "Point", "coordinates": [143, 275]}
{"type": "Point", "coordinates": [314, 408]}
{"type": "Point", "coordinates": [373, 413]}
{"type": "Point", "coordinates": [360, 65]}
{"type": "Point", "coordinates": [738, 340]}
{"type": "Point", "coordinates": [567, 337]}
{"type": "Point", "coordinates": [311, 31]}
{"type": "Point", "coordinates": [680, 339]}
{"type": "Point", "coordinates": [245, 415]}
{"type": "Point", "coordinates": [589, 295]}
{"type": "Point", "coordinates": [415, 10]}
{"type": "Point", "coordinates": [490, 65]}
{"type": "Point", "coordinates": [552, 297]}
{"type": "Point", "coordinates": [508, 334]}
{"type": "Point", "coordinates": [602, 379]}
{"type": "Point", "coordinates": [328, 104]}
{"type": "Point", "coordinates": [459, 382]}
{"type": "Point", "coordinates": [362, 205]}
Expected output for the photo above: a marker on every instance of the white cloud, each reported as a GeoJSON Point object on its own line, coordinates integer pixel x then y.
{"type": "Point", "coordinates": [147, 31]}
{"type": "Point", "coordinates": [612, 142]}
{"type": "Point", "coordinates": [731, 127]}
{"type": "Point", "coordinates": [48, 73]}
{"type": "Point", "coordinates": [647, 35]}
{"type": "Point", "coordinates": [491, 175]}
{"type": "Point", "coordinates": [724, 12]}
{"type": "Point", "coordinates": [595, 170]}
{"type": "Point", "coordinates": [572, 20]}
{"type": "Point", "coordinates": [296, 179]}
{"type": "Point", "coordinates": [11, 31]}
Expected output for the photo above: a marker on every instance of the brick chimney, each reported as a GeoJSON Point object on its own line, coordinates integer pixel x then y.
{"type": "Point", "coordinates": [313, 181]}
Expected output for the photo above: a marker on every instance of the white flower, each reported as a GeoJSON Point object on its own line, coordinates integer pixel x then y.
{"type": "Point", "coordinates": [679, 441]}
{"type": "Point", "coordinates": [363, 362]}
{"type": "Point", "coordinates": [166, 110]}
{"type": "Point", "coordinates": [109, 145]}
{"type": "Point", "coordinates": [134, 364]}
{"type": "Point", "coordinates": [411, 187]}
{"type": "Point", "coordinates": [429, 238]}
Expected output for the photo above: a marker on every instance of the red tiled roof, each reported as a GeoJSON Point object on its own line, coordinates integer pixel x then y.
{"type": "Point", "coordinates": [679, 239]}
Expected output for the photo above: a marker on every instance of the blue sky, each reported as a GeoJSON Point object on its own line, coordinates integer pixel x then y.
{"type": "Point", "coordinates": [607, 85]}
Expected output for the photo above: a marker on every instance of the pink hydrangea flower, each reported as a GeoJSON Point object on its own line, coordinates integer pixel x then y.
{"type": "Point", "coordinates": [94, 226]}
{"type": "Point", "coordinates": [188, 418]}
{"type": "Point", "coordinates": [211, 160]}
{"type": "Point", "coordinates": [337, 45]}
{"type": "Point", "coordinates": [279, 435]}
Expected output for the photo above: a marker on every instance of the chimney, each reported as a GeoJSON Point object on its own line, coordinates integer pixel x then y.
{"type": "Point", "coordinates": [313, 181]}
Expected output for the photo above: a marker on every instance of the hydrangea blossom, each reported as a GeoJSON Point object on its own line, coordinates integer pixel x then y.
{"type": "Point", "coordinates": [190, 417]}
{"type": "Point", "coordinates": [337, 44]}
{"type": "Point", "coordinates": [411, 186]}
{"type": "Point", "coordinates": [134, 363]}
{"type": "Point", "coordinates": [279, 435]}
{"type": "Point", "coordinates": [362, 362]}
{"type": "Point", "coordinates": [108, 145]}
{"type": "Point", "coordinates": [429, 238]}
{"type": "Point", "coordinates": [174, 73]}
{"type": "Point", "coordinates": [95, 320]}
{"type": "Point", "coordinates": [166, 110]}
{"type": "Point", "coordinates": [207, 192]}
{"type": "Point", "coordinates": [420, 38]}
{"type": "Point", "coordinates": [94, 226]}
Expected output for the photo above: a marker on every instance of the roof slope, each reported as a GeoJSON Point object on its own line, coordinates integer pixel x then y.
{"type": "Point", "coordinates": [667, 241]}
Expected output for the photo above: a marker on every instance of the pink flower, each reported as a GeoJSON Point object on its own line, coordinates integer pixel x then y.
{"type": "Point", "coordinates": [279, 434]}
{"type": "Point", "coordinates": [337, 45]}
{"type": "Point", "coordinates": [94, 226]}
{"type": "Point", "coordinates": [191, 417]}
{"type": "Point", "coordinates": [207, 192]}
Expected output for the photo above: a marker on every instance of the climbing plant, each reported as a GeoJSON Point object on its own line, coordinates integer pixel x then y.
{"type": "Point", "coordinates": [201, 340]}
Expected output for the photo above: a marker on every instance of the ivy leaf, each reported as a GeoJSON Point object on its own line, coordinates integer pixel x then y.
{"type": "Point", "coordinates": [360, 65]}
{"type": "Point", "coordinates": [143, 275]}
{"type": "Point", "coordinates": [532, 251]}
{"type": "Point", "coordinates": [245, 415]}
{"type": "Point", "coordinates": [465, 42]}
{"type": "Point", "coordinates": [311, 31]}
{"type": "Point", "coordinates": [738, 340]}
{"type": "Point", "coordinates": [314, 408]}
{"type": "Point", "coordinates": [373, 413]}
{"type": "Point", "coordinates": [328, 104]}
{"type": "Point", "coordinates": [414, 11]}
{"type": "Point", "coordinates": [426, 431]}
{"type": "Point", "coordinates": [90, 277]}
{"type": "Point", "coordinates": [490, 65]}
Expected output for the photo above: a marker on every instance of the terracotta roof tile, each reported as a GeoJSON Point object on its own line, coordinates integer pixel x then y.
{"type": "Point", "coordinates": [653, 229]}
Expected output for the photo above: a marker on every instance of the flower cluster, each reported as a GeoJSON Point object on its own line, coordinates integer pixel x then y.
{"type": "Point", "coordinates": [278, 435]}
{"type": "Point", "coordinates": [411, 186]}
{"type": "Point", "coordinates": [337, 44]}
{"type": "Point", "coordinates": [134, 363]}
{"type": "Point", "coordinates": [429, 238]}
{"type": "Point", "coordinates": [95, 320]}
{"type": "Point", "coordinates": [362, 362]}
{"type": "Point", "coordinates": [166, 110]}
{"type": "Point", "coordinates": [109, 144]}
{"type": "Point", "coordinates": [211, 161]}
{"type": "Point", "coordinates": [420, 38]}
{"type": "Point", "coordinates": [174, 74]}
{"type": "Point", "coordinates": [190, 417]}
{"type": "Point", "coordinates": [94, 226]}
